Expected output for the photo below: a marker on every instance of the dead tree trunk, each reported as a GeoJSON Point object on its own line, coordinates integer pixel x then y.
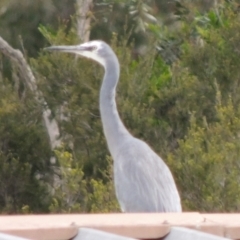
{"type": "Point", "coordinates": [84, 19]}
{"type": "Point", "coordinates": [26, 74]}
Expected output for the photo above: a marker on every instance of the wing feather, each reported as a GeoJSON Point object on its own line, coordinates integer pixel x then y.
{"type": "Point", "coordinates": [143, 182]}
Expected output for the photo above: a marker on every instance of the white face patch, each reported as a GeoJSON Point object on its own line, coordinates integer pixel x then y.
{"type": "Point", "coordinates": [94, 54]}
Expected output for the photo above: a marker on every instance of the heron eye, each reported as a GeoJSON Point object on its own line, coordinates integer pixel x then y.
{"type": "Point", "coordinates": [90, 48]}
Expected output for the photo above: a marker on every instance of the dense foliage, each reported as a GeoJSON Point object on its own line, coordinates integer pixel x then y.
{"type": "Point", "coordinates": [181, 97]}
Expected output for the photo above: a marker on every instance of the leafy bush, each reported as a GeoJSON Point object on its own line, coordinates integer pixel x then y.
{"type": "Point", "coordinates": [24, 155]}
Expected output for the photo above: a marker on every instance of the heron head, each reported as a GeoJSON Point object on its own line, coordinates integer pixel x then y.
{"type": "Point", "coordinates": [96, 50]}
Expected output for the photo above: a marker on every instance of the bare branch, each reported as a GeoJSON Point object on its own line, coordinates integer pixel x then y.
{"type": "Point", "coordinates": [25, 71]}
{"type": "Point", "coordinates": [84, 19]}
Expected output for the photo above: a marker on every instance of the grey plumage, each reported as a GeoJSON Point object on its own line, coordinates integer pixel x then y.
{"type": "Point", "coordinates": [143, 182]}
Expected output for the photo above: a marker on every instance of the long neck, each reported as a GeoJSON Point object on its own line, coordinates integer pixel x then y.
{"type": "Point", "coordinates": [113, 127]}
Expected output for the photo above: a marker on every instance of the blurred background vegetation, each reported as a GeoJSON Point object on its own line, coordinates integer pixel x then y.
{"type": "Point", "coordinates": [178, 91]}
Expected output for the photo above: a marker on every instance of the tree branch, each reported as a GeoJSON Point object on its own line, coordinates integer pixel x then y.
{"type": "Point", "coordinates": [84, 19]}
{"type": "Point", "coordinates": [25, 71]}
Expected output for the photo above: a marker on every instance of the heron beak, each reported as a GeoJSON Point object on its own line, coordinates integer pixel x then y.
{"type": "Point", "coordinates": [70, 49]}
